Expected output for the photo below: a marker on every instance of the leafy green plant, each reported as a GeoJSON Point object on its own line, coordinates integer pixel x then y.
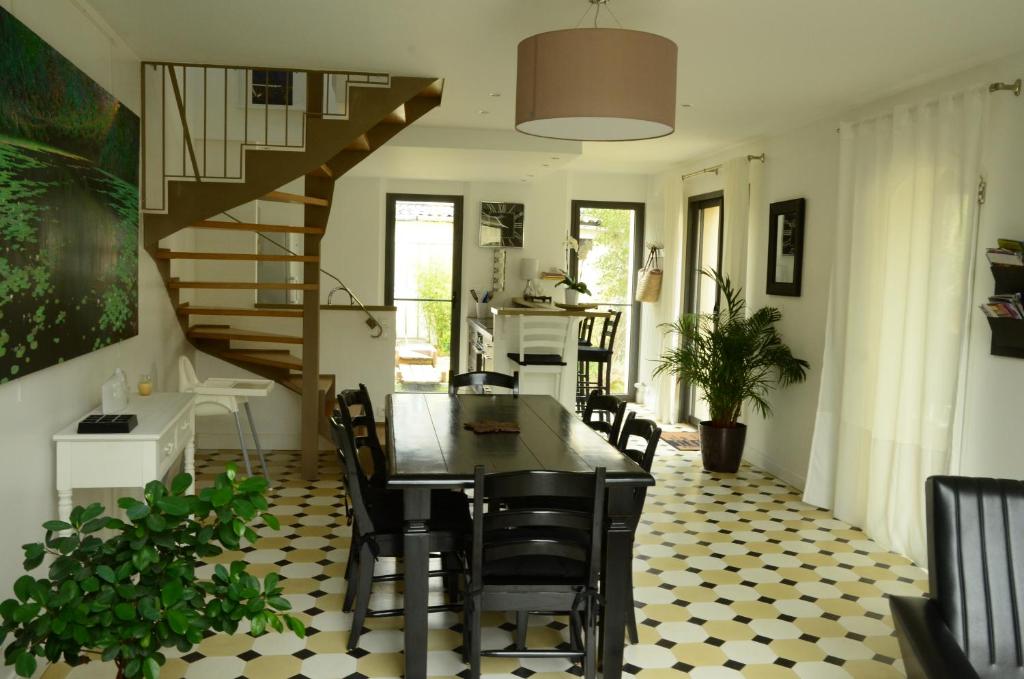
{"type": "Point", "coordinates": [434, 281]}
{"type": "Point", "coordinates": [730, 357]}
{"type": "Point", "coordinates": [123, 598]}
{"type": "Point", "coordinates": [572, 284]}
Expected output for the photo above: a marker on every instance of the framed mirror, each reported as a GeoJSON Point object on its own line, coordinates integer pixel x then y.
{"type": "Point", "coordinates": [785, 247]}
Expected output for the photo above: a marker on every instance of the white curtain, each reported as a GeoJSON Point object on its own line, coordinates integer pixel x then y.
{"type": "Point", "coordinates": [900, 286]}
{"type": "Point", "coordinates": [736, 199]}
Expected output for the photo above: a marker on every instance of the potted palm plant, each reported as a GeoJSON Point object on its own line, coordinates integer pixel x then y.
{"type": "Point", "coordinates": [733, 359]}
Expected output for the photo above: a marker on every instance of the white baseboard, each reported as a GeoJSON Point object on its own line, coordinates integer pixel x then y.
{"type": "Point", "coordinates": [226, 441]}
{"type": "Point", "coordinates": [763, 461]}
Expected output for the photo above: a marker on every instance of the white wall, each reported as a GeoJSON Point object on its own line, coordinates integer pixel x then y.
{"type": "Point", "coordinates": [804, 163]}
{"type": "Point", "coordinates": [354, 245]}
{"type": "Point", "coordinates": [33, 407]}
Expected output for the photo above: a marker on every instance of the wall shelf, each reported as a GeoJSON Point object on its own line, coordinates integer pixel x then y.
{"type": "Point", "coordinates": [1007, 333]}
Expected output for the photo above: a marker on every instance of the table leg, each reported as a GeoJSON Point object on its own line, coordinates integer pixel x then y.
{"type": "Point", "coordinates": [417, 563]}
{"type": "Point", "coordinates": [618, 559]}
{"type": "Point", "coordinates": [190, 462]}
{"type": "Point", "coordinates": [64, 504]}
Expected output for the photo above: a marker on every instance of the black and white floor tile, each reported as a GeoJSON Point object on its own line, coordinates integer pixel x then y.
{"type": "Point", "coordinates": [735, 578]}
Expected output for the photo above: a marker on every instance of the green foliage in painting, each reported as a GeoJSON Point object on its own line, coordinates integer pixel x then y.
{"type": "Point", "coordinates": [434, 281]}
{"type": "Point", "coordinates": [124, 598]}
{"type": "Point", "coordinates": [69, 204]}
{"type": "Point", "coordinates": [50, 101]}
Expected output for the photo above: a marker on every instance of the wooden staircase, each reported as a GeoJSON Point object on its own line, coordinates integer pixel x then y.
{"type": "Point", "coordinates": [332, 147]}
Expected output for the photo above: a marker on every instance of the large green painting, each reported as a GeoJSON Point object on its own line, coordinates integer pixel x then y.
{"type": "Point", "coordinates": [69, 208]}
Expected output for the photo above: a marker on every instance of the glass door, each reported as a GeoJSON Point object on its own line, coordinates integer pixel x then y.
{"type": "Point", "coordinates": [422, 279]}
{"type": "Point", "coordinates": [611, 240]}
{"type": "Point", "coordinates": [700, 293]}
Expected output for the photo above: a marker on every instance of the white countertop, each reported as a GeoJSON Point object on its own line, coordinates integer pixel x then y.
{"type": "Point", "coordinates": [154, 412]}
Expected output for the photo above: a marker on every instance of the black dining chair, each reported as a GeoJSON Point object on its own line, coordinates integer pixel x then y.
{"type": "Point", "coordinates": [378, 533]}
{"type": "Point", "coordinates": [483, 378]}
{"type": "Point", "coordinates": [604, 413]}
{"type": "Point", "coordinates": [526, 558]}
{"type": "Point", "coordinates": [650, 433]}
{"type": "Point", "coordinates": [969, 625]}
{"type": "Point", "coordinates": [363, 426]}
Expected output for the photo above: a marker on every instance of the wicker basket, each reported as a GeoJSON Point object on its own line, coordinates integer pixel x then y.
{"type": "Point", "coordinates": [648, 279]}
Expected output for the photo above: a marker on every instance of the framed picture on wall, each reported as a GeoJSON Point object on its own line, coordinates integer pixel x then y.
{"type": "Point", "coordinates": [501, 225]}
{"type": "Point", "coordinates": [785, 247]}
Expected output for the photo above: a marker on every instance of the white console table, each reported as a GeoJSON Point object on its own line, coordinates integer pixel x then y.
{"type": "Point", "coordinates": [166, 428]}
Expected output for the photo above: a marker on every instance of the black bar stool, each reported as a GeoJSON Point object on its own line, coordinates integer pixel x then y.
{"type": "Point", "coordinates": [601, 355]}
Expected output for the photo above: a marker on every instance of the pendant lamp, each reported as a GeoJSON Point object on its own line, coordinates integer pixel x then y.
{"type": "Point", "coordinates": [596, 84]}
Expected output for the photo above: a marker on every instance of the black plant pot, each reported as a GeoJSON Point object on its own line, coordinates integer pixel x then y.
{"type": "Point", "coordinates": [721, 448]}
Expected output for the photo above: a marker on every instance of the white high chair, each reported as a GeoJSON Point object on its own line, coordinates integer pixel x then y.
{"type": "Point", "coordinates": [214, 396]}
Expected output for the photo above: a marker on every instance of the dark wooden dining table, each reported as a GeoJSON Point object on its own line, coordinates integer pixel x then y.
{"type": "Point", "coordinates": [429, 448]}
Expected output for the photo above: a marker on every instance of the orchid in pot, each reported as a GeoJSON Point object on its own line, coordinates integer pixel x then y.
{"type": "Point", "coordinates": [573, 288]}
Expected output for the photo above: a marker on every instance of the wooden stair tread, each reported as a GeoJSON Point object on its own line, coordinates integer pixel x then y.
{"type": "Point", "coordinates": [284, 197]}
{"type": "Point", "coordinates": [246, 226]}
{"type": "Point", "coordinates": [163, 253]}
{"type": "Point", "coordinates": [294, 382]}
{"type": "Point", "coordinates": [274, 359]}
{"type": "Point", "coordinates": [227, 333]}
{"type": "Point", "coordinates": [188, 309]}
{"type": "Point", "coordinates": [175, 284]}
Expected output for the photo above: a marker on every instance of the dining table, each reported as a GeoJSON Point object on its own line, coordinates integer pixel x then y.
{"type": "Point", "coordinates": [429, 448]}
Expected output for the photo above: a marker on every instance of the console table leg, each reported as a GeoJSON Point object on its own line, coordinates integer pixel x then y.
{"type": "Point", "coordinates": [190, 463]}
{"type": "Point", "coordinates": [64, 504]}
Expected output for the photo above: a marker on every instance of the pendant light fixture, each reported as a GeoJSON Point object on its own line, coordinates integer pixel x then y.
{"type": "Point", "coordinates": [596, 84]}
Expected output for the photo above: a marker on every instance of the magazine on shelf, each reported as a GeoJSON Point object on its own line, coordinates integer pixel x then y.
{"type": "Point", "coordinates": [1004, 257]}
{"type": "Point", "coordinates": [1011, 245]}
{"type": "Point", "coordinates": [1004, 306]}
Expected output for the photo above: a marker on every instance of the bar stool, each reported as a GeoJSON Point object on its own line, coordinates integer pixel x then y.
{"type": "Point", "coordinates": [543, 341]}
{"type": "Point", "coordinates": [600, 355]}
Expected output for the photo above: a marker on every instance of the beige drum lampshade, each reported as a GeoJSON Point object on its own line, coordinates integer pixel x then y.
{"type": "Point", "coordinates": [528, 268]}
{"type": "Point", "coordinates": [596, 84]}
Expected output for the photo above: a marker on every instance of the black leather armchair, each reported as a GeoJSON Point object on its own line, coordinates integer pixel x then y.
{"type": "Point", "coordinates": [970, 626]}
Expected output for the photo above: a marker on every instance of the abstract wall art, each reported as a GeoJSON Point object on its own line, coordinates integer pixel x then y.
{"type": "Point", "coordinates": [69, 208]}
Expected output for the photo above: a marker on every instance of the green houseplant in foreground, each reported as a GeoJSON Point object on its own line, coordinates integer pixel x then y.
{"type": "Point", "coordinates": [123, 598]}
{"type": "Point", "coordinates": [732, 358]}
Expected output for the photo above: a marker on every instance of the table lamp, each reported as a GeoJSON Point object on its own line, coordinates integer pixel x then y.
{"type": "Point", "coordinates": [528, 271]}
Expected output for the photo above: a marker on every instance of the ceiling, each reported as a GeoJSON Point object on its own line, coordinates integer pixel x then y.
{"type": "Point", "coordinates": [746, 67]}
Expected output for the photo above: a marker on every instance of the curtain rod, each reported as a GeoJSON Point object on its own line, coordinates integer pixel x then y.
{"type": "Point", "coordinates": [715, 168]}
{"type": "Point", "coordinates": [1014, 87]}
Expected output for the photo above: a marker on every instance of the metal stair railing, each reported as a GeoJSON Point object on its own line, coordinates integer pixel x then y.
{"type": "Point", "coordinates": [376, 329]}
{"type": "Point", "coordinates": [198, 119]}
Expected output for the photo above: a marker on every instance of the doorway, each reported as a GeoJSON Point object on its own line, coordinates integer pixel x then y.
{"type": "Point", "coordinates": [422, 279]}
{"type": "Point", "coordinates": [704, 234]}
{"type": "Point", "coordinates": [611, 247]}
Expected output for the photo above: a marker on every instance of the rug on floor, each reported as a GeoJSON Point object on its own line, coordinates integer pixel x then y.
{"type": "Point", "coordinates": [682, 440]}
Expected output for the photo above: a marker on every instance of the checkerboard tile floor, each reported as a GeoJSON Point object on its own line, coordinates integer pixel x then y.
{"type": "Point", "coordinates": [734, 578]}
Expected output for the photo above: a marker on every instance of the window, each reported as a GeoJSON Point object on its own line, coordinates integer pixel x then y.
{"type": "Point", "coordinates": [611, 239]}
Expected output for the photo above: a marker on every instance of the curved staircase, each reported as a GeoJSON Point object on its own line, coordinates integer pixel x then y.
{"type": "Point", "coordinates": [375, 109]}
